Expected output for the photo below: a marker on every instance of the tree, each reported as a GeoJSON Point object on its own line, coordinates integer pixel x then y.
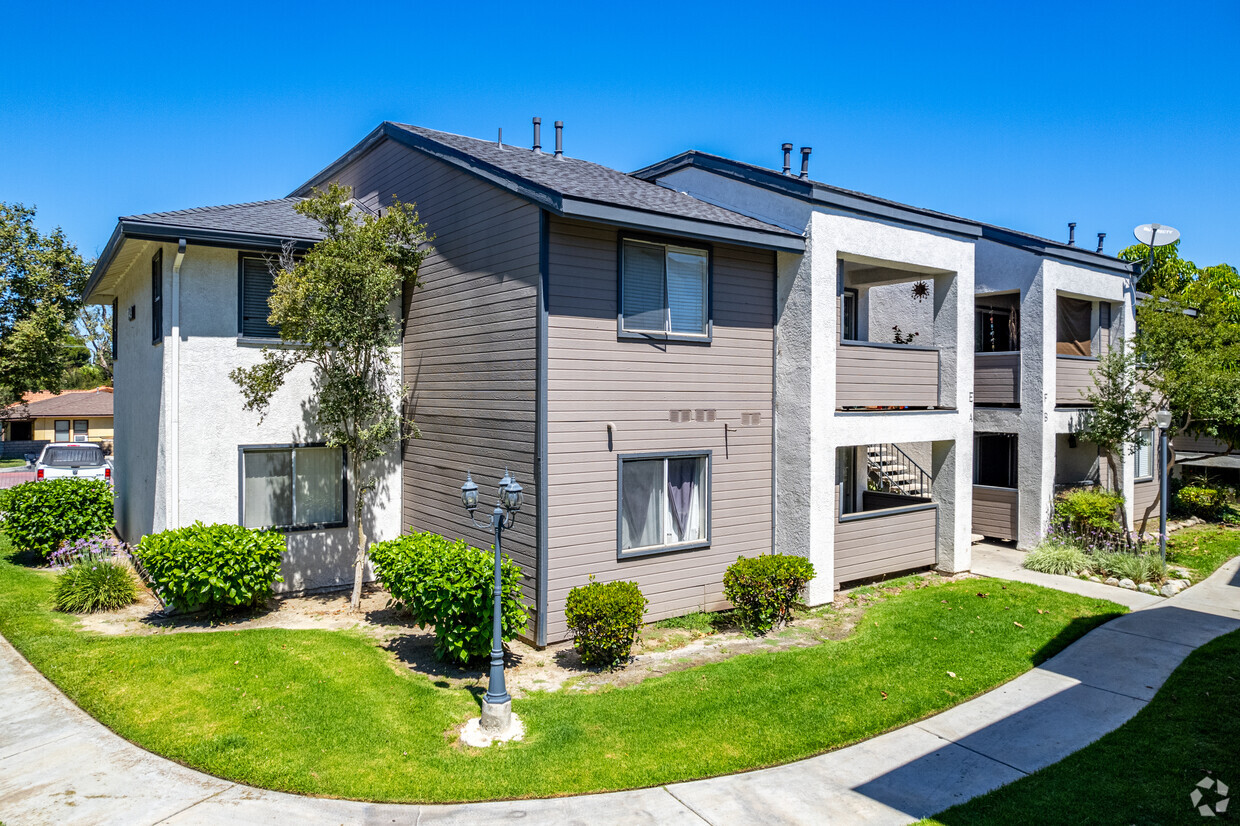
{"type": "Point", "coordinates": [94, 325]}
{"type": "Point", "coordinates": [338, 304]}
{"type": "Point", "coordinates": [41, 282]}
{"type": "Point", "coordinates": [1122, 405]}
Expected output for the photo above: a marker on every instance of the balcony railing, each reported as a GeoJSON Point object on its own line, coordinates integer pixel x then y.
{"type": "Point", "coordinates": [996, 378]}
{"type": "Point", "coordinates": [869, 374]}
{"type": "Point", "coordinates": [892, 534]}
{"type": "Point", "coordinates": [1073, 376]}
{"type": "Point", "coordinates": [996, 512]}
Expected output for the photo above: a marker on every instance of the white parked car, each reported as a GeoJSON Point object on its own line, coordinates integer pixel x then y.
{"type": "Point", "coordinates": [84, 459]}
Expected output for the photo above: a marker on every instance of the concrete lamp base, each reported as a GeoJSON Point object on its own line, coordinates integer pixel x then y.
{"type": "Point", "coordinates": [477, 733]}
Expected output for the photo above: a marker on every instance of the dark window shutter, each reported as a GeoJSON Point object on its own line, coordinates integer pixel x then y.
{"type": "Point", "coordinates": [157, 298]}
{"type": "Point", "coordinates": [256, 286]}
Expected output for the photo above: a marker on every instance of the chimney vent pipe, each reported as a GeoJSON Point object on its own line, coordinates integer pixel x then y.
{"type": "Point", "coordinates": [500, 140]}
{"type": "Point", "coordinates": [1101, 236]}
{"type": "Point", "coordinates": [559, 139]}
{"type": "Point", "coordinates": [787, 147]}
{"type": "Point", "coordinates": [1072, 233]}
{"type": "Point", "coordinates": [538, 134]}
{"type": "Point", "coordinates": [805, 152]}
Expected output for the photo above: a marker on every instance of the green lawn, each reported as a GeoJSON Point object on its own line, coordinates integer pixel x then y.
{"type": "Point", "coordinates": [1202, 549]}
{"type": "Point", "coordinates": [1144, 771]}
{"type": "Point", "coordinates": [329, 713]}
{"type": "Point", "coordinates": [12, 462]}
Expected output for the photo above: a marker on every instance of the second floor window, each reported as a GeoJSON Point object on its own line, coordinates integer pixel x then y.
{"type": "Point", "coordinates": [665, 290]}
{"type": "Point", "coordinates": [256, 286]}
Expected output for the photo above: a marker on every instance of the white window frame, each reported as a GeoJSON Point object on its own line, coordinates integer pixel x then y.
{"type": "Point", "coordinates": [647, 550]}
{"type": "Point", "coordinates": [242, 450]}
{"type": "Point", "coordinates": [1145, 444]}
{"type": "Point", "coordinates": [68, 423]}
{"type": "Point", "coordinates": [666, 333]}
{"type": "Point", "coordinates": [84, 436]}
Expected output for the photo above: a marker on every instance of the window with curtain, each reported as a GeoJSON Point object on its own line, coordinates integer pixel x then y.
{"type": "Point", "coordinates": [1145, 454]}
{"type": "Point", "coordinates": [293, 487]}
{"type": "Point", "coordinates": [665, 289]}
{"type": "Point", "coordinates": [256, 286]}
{"type": "Point", "coordinates": [664, 503]}
{"type": "Point", "coordinates": [1074, 327]}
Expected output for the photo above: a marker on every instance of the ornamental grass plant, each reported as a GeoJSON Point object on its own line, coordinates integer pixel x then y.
{"type": "Point", "coordinates": [92, 585]}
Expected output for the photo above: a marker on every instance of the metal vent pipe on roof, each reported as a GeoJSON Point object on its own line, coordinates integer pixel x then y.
{"type": "Point", "coordinates": [1072, 233]}
{"type": "Point", "coordinates": [538, 135]}
{"type": "Point", "coordinates": [1101, 236]}
{"type": "Point", "coordinates": [500, 140]}
{"type": "Point", "coordinates": [787, 147]}
{"type": "Point", "coordinates": [559, 139]}
{"type": "Point", "coordinates": [805, 152]}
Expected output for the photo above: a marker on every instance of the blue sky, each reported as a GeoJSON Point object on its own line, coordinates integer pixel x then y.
{"type": "Point", "coordinates": [1025, 115]}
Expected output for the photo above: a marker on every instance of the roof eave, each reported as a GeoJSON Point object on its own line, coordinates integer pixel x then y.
{"type": "Point", "coordinates": [659, 222]}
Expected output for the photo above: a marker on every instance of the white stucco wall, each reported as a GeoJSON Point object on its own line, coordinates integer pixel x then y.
{"type": "Point", "coordinates": [213, 424]}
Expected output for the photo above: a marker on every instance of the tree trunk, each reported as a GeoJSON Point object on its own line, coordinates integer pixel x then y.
{"type": "Point", "coordinates": [1118, 486]}
{"type": "Point", "coordinates": [359, 564]}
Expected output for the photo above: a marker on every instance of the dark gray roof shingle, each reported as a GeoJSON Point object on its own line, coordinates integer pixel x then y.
{"type": "Point", "coordinates": [276, 218]}
{"type": "Point", "coordinates": [575, 178]}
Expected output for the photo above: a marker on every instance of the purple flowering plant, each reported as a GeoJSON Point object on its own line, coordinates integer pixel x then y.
{"type": "Point", "coordinates": [87, 549]}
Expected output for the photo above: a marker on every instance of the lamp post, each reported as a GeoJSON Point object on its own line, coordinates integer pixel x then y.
{"type": "Point", "coordinates": [1162, 418]}
{"type": "Point", "coordinates": [497, 704]}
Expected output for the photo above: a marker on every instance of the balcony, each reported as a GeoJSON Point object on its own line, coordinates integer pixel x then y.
{"type": "Point", "coordinates": [996, 378]}
{"type": "Point", "coordinates": [1073, 376]}
{"type": "Point", "coordinates": [891, 534]}
{"type": "Point", "coordinates": [996, 512]}
{"type": "Point", "coordinates": [874, 375]}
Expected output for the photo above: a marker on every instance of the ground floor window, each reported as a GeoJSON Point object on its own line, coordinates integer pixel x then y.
{"type": "Point", "coordinates": [81, 430]}
{"type": "Point", "coordinates": [293, 487]}
{"type": "Point", "coordinates": [994, 460]}
{"type": "Point", "coordinates": [61, 427]}
{"type": "Point", "coordinates": [1145, 454]}
{"type": "Point", "coordinates": [664, 502]}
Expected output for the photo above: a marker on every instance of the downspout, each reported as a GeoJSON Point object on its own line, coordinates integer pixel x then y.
{"type": "Point", "coordinates": [173, 510]}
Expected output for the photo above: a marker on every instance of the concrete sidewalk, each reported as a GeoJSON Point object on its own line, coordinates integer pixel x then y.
{"type": "Point", "coordinates": [60, 766]}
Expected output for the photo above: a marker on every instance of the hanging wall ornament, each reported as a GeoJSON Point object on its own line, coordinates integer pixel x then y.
{"type": "Point", "coordinates": [921, 291]}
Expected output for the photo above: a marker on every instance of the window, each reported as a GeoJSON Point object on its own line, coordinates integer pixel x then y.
{"type": "Point", "coordinates": [61, 427]}
{"type": "Point", "coordinates": [665, 290]}
{"type": "Point", "coordinates": [846, 478]}
{"type": "Point", "coordinates": [114, 309]}
{"type": "Point", "coordinates": [1145, 454]}
{"type": "Point", "coordinates": [848, 328]}
{"type": "Point", "coordinates": [157, 298]}
{"type": "Point", "coordinates": [664, 503]}
{"type": "Point", "coordinates": [993, 330]}
{"type": "Point", "coordinates": [256, 284]}
{"type": "Point", "coordinates": [1074, 327]}
{"type": "Point", "coordinates": [293, 487]}
{"type": "Point", "coordinates": [81, 430]}
{"type": "Point", "coordinates": [994, 460]}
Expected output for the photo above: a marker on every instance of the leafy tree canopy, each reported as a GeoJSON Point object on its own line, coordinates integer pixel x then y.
{"type": "Point", "coordinates": [41, 282]}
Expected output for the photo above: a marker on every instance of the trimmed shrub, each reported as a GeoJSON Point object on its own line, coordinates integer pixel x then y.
{"type": "Point", "coordinates": [214, 568]}
{"type": "Point", "coordinates": [1137, 567]}
{"type": "Point", "coordinates": [450, 585]}
{"type": "Point", "coordinates": [42, 515]}
{"type": "Point", "coordinates": [605, 618]}
{"type": "Point", "coordinates": [94, 585]}
{"type": "Point", "coordinates": [1086, 511]}
{"type": "Point", "coordinates": [765, 589]}
{"type": "Point", "coordinates": [1206, 503]}
{"type": "Point", "coordinates": [1056, 558]}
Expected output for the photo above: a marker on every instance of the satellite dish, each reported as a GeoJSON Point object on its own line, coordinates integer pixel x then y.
{"type": "Point", "coordinates": [1156, 235]}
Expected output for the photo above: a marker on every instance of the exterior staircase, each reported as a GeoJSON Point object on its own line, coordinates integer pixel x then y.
{"type": "Point", "coordinates": [894, 471]}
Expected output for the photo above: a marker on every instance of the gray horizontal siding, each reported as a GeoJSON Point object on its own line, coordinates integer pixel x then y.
{"type": "Point", "coordinates": [1189, 443]}
{"type": "Point", "coordinates": [884, 544]}
{"type": "Point", "coordinates": [469, 354]}
{"type": "Point", "coordinates": [1072, 377]}
{"type": "Point", "coordinates": [996, 378]}
{"type": "Point", "coordinates": [1145, 505]}
{"type": "Point", "coordinates": [995, 512]}
{"type": "Point", "coordinates": [869, 376]}
{"type": "Point", "coordinates": [594, 378]}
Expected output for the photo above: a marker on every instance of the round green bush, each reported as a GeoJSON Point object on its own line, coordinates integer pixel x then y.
{"type": "Point", "coordinates": [94, 585]}
{"type": "Point", "coordinates": [451, 585]}
{"type": "Point", "coordinates": [765, 589]}
{"type": "Point", "coordinates": [1088, 512]}
{"type": "Point", "coordinates": [42, 515]}
{"type": "Point", "coordinates": [1206, 503]}
{"type": "Point", "coordinates": [214, 568]}
{"type": "Point", "coordinates": [605, 618]}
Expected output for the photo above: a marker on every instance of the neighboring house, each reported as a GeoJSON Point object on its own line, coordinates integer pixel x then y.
{"type": "Point", "coordinates": [988, 395]}
{"type": "Point", "coordinates": [69, 416]}
{"type": "Point", "coordinates": [694, 362]}
{"type": "Point", "coordinates": [1202, 456]}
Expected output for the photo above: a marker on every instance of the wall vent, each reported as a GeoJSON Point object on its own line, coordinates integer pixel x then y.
{"type": "Point", "coordinates": [701, 415]}
{"type": "Point", "coordinates": [679, 415]}
{"type": "Point", "coordinates": [751, 419]}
